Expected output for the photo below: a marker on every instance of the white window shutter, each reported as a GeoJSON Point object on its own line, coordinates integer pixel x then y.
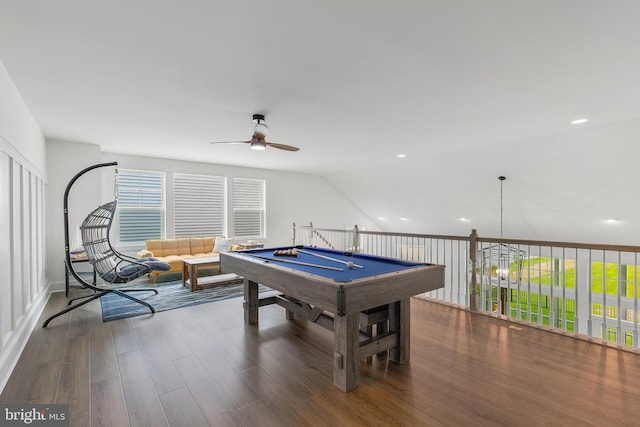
{"type": "Point", "coordinates": [199, 205]}
{"type": "Point", "coordinates": [140, 205]}
{"type": "Point", "coordinates": [248, 208]}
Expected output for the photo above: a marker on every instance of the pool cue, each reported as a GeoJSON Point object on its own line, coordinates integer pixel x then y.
{"type": "Point", "coordinates": [298, 262]}
{"type": "Point", "coordinates": [330, 259]}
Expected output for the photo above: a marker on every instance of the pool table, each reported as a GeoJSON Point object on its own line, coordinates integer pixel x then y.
{"type": "Point", "coordinates": [321, 285]}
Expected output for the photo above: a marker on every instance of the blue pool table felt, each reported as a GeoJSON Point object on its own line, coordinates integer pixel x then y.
{"type": "Point", "coordinates": [372, 265]}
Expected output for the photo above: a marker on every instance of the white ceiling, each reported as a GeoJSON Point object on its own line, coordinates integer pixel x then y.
{"type": "Point", "coordinates": [468, 90]}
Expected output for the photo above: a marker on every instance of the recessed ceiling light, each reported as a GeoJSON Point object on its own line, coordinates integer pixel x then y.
{"type": "Point", "coordinates": [404, 219]}
{"type": "Point", "coordinates": [579, 121]}
{"type": "Point", "coordinates": [401, 156]}
{"type": "Point", "coordinates": [381, 218]}
{"type": "Point", "coordinates": [463, 219]}
{"type": "Point", "coordinates": [611, 221]}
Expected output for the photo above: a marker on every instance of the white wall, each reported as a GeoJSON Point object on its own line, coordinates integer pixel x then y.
{"type": "Point", "coordinates": [291, 197]}
{"type": "Point", "coordinates": [64, 160]}
{"type": "Point", "coordinates": [23, 186]}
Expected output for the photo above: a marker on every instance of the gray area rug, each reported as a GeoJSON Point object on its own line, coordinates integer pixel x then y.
{"type": "Point", "coordinates": [171, 295]}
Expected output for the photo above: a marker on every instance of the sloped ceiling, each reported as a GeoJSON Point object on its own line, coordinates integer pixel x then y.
{"type": "Point", "coordinates": [468, 90]}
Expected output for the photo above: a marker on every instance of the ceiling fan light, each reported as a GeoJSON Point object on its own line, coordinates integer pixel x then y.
{"type": "Point", "coordinates": [261, 129]}
{"type": "Point", "coordinates": [258, 145]}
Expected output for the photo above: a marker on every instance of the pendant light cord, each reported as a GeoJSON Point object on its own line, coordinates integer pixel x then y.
{"type": "Point", "coordinates": [501, 178]}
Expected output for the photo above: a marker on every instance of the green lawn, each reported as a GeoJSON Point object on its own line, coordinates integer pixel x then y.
{"type": "Point", "coordinates": [541, 306]}
{"type": "Point", "coordinates": [568, 277]}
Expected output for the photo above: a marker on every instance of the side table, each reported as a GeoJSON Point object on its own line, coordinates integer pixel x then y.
{"type": "Point", "coordinates": [191, 278]}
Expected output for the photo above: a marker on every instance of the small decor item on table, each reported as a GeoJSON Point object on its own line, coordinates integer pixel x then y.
{"type": "Point", "coordinates": [286, 252]}
{"type": "Point", "coordinates": [251, 244]}
{"type": "Point", "coordinates": [77, 256]}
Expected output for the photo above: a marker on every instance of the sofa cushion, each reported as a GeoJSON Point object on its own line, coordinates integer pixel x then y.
{"type": "Point", "coordinates": [153, 246]}
{"type": "Point", "coordinates": [174, 261]}
{"type": "Point", "coordinates": [156, 247]}
{"type": "Point", "coordinates": [183, 246]}
{"type": "Point", "coordinates": [164, 247]}
{"type": "Point", "coordinates": [202, 245]}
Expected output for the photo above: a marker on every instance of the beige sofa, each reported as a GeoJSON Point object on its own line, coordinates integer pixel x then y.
{"type": "Point", "coordinates": [173, 251]}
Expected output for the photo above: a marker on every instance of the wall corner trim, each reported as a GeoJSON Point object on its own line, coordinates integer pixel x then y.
{"type": "Point", "coordinates": [17, 340]}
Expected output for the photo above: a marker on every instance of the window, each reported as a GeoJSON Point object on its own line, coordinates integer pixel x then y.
{"type": "Point", "coordinates": [199, 205]}
{"type": "Point", "coordinates": [248, 208]}
{"type": "Point", "coordinates": [140, 206]}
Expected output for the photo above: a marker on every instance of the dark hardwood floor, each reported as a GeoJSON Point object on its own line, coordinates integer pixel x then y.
{"type": "Point", "coordinates": [201, 366]}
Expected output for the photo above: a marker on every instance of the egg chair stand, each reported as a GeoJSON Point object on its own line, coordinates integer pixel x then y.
{"type": "Point", "coordinates": [111, 265]}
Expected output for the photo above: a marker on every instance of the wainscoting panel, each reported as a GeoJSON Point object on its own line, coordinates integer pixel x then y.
{"type": "Point", "coordinates": [23, 285]}
{"type": "Point", "coordinates": [5, 248]}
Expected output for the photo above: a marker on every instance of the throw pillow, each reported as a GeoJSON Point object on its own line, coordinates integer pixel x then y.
{"type": "Point", "coordinates": [147, 264]}
{"type": "Point", "coordinates": [155, 264]}
{"type": "Point", "coordinates": [145, 253]}
{"type": "Point", "coordinates": [222, 245]}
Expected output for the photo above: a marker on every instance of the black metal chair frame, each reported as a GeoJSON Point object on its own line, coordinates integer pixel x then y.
{"type": "Point", "coordinates": [107, 262]}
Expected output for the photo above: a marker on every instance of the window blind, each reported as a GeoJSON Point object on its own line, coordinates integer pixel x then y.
{"type": "Point", "coordinates": [248, 207]}
{"type": "Point", "coordinates": [140, 205]}
{"type": "Point", "coordinates": [199, 205]}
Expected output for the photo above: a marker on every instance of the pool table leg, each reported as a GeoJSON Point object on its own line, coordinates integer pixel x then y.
{"type": "Point", "coordinates": [251, 303]}
{"type": "Point", "coordinates": [399, 322]}
{"type": "Point", "coordinates": [346, 348]}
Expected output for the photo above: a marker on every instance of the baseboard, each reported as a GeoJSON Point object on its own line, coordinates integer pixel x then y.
{"type": "Point", "coordinates": [18, 338]}
{"type": "Point", "coordinates": [58, 286]}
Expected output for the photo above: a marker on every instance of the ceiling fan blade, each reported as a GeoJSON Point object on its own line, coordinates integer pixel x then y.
{"type": "Point", "coordinates": [230, 142]}
{"type": "Point", "coordinates": [282, 146]}
{"type": "Point", "coordinates": [257, 140]}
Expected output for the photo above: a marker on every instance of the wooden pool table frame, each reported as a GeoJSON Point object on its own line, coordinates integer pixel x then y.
{"type": "Point", "coordinates": [347, 303]}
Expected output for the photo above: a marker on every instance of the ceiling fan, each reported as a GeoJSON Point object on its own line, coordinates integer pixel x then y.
{"type": "Point", "coordinates": [258, 141]}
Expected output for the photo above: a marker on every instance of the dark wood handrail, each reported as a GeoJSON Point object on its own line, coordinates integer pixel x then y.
{"type": "Point", "coordinates": [575, 245]}
{"type": "Point", "coordinates": [522, 242]}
